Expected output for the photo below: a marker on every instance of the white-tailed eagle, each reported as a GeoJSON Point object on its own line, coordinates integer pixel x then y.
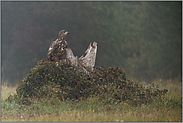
{"type": "Point", "coordinates": [57, 49]}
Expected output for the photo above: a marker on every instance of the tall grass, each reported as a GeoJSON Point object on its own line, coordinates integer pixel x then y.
{"type": "Point", "coordinates": [7, 90]}
{"type": "Point", "coordinates": [169, 109]}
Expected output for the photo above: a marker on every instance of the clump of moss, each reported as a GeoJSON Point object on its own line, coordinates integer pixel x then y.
{"type": "Point", "coordinates": [65, 82]}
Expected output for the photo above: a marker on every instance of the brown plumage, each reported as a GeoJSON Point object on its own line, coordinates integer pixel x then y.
{"type": "Point", "coordinates": [57, 50]}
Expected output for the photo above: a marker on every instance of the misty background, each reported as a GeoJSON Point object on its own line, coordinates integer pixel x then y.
{"type": "Point", "coordinates": [143, 38]}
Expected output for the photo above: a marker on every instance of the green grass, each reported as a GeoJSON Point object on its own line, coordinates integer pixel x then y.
{"type": "Point", "coordinates": [169, 109]}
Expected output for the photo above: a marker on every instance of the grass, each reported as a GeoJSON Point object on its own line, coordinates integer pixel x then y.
{"type": "Point", "coordinates": [169, 109]}
{"type": "Point", "coordinates": [6, 91]}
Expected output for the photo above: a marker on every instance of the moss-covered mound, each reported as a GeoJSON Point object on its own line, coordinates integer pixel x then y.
{"type": "Point", "coordinates": [66, 82]}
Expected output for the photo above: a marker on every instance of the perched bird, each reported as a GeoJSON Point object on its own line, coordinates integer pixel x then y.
{"type": "Point", "coordinates": [57, 49]}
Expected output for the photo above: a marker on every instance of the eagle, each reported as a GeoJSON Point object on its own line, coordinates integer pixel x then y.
{"type": "Point", "coordinates": [58, 47]}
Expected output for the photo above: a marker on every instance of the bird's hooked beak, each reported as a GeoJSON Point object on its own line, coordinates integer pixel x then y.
{"type": "Point", "coordinates": [66, 32]}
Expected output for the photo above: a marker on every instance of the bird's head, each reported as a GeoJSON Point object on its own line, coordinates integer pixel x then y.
{"type": "Point", "coordinates": [63, 33]}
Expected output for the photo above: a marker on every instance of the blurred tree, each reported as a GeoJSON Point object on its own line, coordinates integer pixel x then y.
{"type": "Point", "coordinates": [144, 38]}
{"type": "Point", "coordinates": [28, 29]}
{"type": "Point", "coordinates": [162, 29]}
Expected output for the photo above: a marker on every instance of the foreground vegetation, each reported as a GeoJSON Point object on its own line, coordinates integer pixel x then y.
{"type": "Point", "coordinates": [59, 92]}
{"type": "Point", "coordinates": [53, 110]}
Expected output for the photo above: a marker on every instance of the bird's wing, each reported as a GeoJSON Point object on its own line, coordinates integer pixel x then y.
{"type": "Point", "coordinates": [54, 44]}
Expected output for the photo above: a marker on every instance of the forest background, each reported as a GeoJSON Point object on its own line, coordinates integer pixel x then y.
{"type": "Point", "coordinates": [143, 38]}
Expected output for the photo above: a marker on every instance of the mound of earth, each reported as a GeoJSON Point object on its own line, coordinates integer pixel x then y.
{"type": "Point", "coordinates": [66, 82]}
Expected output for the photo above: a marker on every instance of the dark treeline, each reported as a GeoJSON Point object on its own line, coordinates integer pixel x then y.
{"type": "Point", "coordinates": [143, 38]}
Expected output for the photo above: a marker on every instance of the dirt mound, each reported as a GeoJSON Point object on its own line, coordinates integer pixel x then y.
{"type": "Point", "coordinates": [65, 82]}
